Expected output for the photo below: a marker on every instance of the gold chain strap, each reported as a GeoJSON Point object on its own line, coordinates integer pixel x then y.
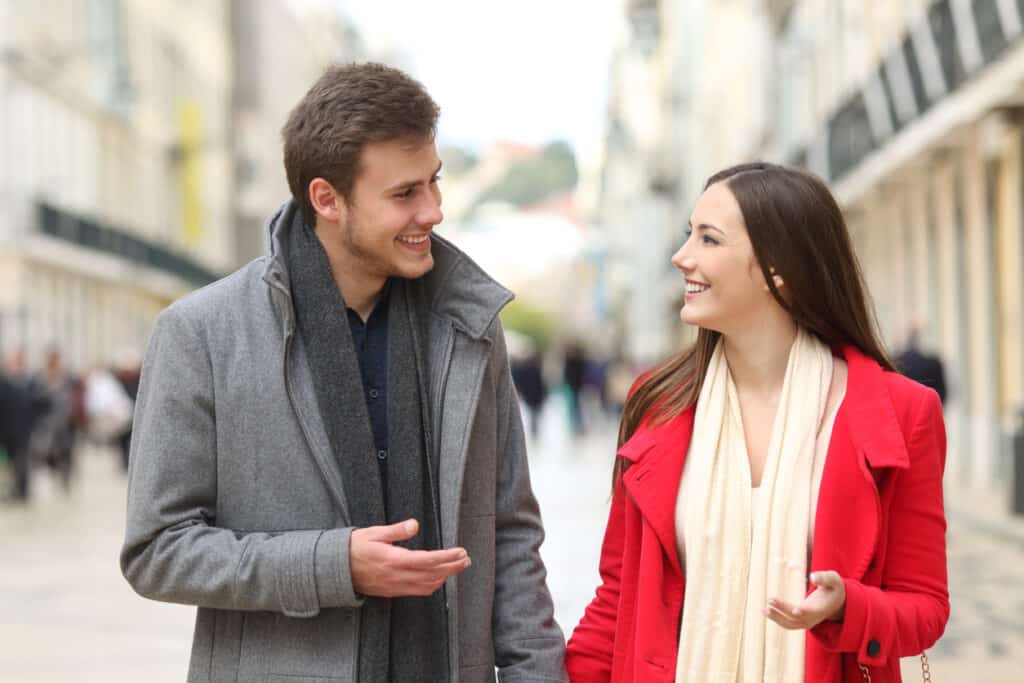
{"type": "Point", "coordinates": [926, 672]}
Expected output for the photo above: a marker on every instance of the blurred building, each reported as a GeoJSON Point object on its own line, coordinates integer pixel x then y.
{"type": "Point", "coordinates": [914, 113]}
{"type": "Point", "coordinates": [116, 172]}
{"type": "Point", "coordinates": [141, 151]}
{"type": "Point", "coordinates": [675, 116]}
{"type": "Point", "coordinates": [639, 185]}
{"type": "Point", "coordinates": [279, 49]}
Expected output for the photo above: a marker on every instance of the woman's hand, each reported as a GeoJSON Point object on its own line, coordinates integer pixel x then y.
{"type": "Point", "coordinates": [827, 602]}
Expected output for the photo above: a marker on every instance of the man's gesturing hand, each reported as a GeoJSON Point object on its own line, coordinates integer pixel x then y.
{"type": "Point", "coordinates": [388, 571]}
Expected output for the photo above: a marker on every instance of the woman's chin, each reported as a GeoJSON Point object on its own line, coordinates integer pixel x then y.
{"type": "Point", "coordinates": [689, 316]}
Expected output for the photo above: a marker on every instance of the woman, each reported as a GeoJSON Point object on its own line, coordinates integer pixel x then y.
{"type": "Point", "coordinates": [777, 508]}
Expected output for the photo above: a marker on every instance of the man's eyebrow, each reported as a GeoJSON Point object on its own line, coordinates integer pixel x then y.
{"type": "Point", "coordinates": [413, 183]}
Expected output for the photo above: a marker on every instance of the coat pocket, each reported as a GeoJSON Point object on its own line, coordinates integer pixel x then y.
{"type": "Point", "coordinates": [300, 650]}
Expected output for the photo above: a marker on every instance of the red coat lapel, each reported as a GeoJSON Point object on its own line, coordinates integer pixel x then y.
{"type": "Point", "coordinates": [657, 454]}
{"type": "Point", "coordinates": [866, 436]}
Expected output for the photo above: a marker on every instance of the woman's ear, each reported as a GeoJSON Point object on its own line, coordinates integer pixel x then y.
{"type": "Point", "coordinates": [776, 279]}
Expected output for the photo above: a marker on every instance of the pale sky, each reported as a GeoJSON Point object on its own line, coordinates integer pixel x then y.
{"type": "Point", "coordinates": [527, 71]}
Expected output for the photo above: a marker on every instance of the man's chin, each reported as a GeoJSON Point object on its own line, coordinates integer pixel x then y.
{"type": "Point", "coordinates": [412, 271]}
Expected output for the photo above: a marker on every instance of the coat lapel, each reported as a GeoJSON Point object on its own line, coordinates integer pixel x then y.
{"type": "Point", "coordinates": [456, 386]}
{"type": "Point", "coordinates": [304, 402]}
{"type": "Point", "coordinates": [866, 437]}
{"type": "Point", "coordinates": [657, 455]}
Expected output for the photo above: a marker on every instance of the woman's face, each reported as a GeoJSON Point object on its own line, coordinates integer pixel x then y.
{"type": "Point", "coordinates": [725, 287]}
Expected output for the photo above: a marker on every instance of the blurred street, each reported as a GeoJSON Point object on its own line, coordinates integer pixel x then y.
{"type": "Point", "coordinates": [67, 615]}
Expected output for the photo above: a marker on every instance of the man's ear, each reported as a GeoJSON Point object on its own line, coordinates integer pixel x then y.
{"type": "Point", "coordinates": [327, 202]}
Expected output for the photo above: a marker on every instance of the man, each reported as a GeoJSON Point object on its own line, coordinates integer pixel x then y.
{"type": "Point", "coordinates": [53, 438]}
{"type": "Point", "coordinates": [920, 366]}
{"type": "Point", "coordinates": [21, 403]}
{"type": "Point", "coordinates": [328, 457]}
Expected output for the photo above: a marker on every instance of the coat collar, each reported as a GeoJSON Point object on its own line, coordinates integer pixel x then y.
{"type": "Point", "coordinates": [867, 406]}
{"type": "Point", "coordinates": [458, 289]}
{"type": "Point", "coordinates": [657, 454]}
{"type": "Point", "coordinates": [866, 428]}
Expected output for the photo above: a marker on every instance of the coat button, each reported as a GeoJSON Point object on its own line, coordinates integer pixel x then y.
{"type": "Point", "coordinates": [874, 647]}
{"type": "Point", "coordinates": [382, 455]}
{"type": "Point", "coordinates": [374, 393]}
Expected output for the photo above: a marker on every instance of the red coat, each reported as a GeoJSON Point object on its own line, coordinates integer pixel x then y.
{"type": "Point", "coordinates": [879, 523]}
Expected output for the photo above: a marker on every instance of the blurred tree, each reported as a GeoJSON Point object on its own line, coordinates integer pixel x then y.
{"type": "Point", "coordinates": [529, 181]}
{"type": "Point", "coordinates": [457, 160]}
{"type": "Point", "coordinates": [530, 321]}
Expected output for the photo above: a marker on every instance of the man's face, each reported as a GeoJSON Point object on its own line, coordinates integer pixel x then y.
{"type": "Point", "coordinates": [395, 203]}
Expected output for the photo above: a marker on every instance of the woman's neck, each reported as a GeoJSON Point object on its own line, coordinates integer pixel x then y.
{"type": "Point", "coordinates": [758, 356]}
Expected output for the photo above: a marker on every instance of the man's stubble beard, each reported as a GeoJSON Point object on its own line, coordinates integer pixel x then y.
{"type": "Point", "coordinates": [367, 260]}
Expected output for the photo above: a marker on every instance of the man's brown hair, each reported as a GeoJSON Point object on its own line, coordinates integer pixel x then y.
{"type": "Point", "coordinates": [349, 106]}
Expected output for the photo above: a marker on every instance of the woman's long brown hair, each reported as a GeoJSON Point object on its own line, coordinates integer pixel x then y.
{"type": "Point", "coordinates": [797, 228]}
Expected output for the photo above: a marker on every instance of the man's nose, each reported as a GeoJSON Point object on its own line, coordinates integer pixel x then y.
{"type": "Point", "coordinates": [430, 212]}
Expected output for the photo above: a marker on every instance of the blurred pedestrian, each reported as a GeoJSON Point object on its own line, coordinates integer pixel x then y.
{"type": "Point", "coordinates": [574, 365]}
{"type": "Point", "coordinates": [15, 415]}
{"type": "Point", "coordinates": [21, 404]}
{"type": "Point", "coordinates": [53, 436]}
{"type": "Point", "coordinates": [620, 379]}
{"type": "Point", "coordinates": [325, 439]}
{"type": "Point", "coordinates": [777, 503]}
{"type": "Point", "coordinates": [128, 371]}
{"type": "Point", "coordinates": [921, 366]}
{"type": "Point", "coordinates": [108, 407]}
{"type": "Point", "coordinates": [528, 376]}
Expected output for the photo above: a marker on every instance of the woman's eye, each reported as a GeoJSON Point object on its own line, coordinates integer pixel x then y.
{"type": "Point", "coordinates": [709, 240]}
{"type": "Point", "coordinates": [407, 193]}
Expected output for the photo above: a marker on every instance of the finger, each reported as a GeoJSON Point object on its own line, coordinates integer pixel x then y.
{"type": "Point", "coordinates": [806, 613]}
{"type": "Point", "coordinates": [402, 531]}
{"type": "Point", "coordinates": [448, 569]}
{"type": "Point", "coordinates": [783, 606]}
{"type": "Point", "coordinates": [782, 619]}
{"type": "Point", "coordinates": [429, 581]}
{"type": "Point", "coordinates": [426, 560]}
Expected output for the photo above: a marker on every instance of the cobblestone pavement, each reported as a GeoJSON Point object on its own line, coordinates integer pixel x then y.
{"type": "Point", "coordinates": [67, 615]}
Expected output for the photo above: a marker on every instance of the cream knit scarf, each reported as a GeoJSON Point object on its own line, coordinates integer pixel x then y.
{"type": "Point", "coordinates": [736, 557]}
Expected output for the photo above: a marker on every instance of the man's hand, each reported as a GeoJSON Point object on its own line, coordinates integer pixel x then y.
{"type": "Point", "coordinates": [827, 602]}
{"type": "Point", "coordinates": [385, 570]}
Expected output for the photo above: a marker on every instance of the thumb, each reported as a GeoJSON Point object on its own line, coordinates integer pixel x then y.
{"type": "Point", "coordinates": [402, 531]}
{"type": "Point", "coordinates": [826, 579]}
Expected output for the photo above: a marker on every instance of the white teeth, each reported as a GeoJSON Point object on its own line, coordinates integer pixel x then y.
{"type": "Point", "coordinates": [692, 288]}
{"type": "Point", "coordinates": [414, 240]}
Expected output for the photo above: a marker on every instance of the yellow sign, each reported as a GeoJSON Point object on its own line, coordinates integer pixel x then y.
{"type": "Point", "coordinates": [190, 122]}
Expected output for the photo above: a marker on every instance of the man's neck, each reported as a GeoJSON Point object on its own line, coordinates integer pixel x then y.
{"type": "Point", "coordinates": [360, 292]}
{"type": "Point", "coordinates": [360, 289]}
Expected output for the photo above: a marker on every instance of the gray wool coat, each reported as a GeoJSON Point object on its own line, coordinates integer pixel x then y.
{"type": "Point", "coordinates": [236, 503]}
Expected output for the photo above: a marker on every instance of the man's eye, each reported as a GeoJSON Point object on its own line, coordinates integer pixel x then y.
{"type": "Point", "coordinates": [407, 193]}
